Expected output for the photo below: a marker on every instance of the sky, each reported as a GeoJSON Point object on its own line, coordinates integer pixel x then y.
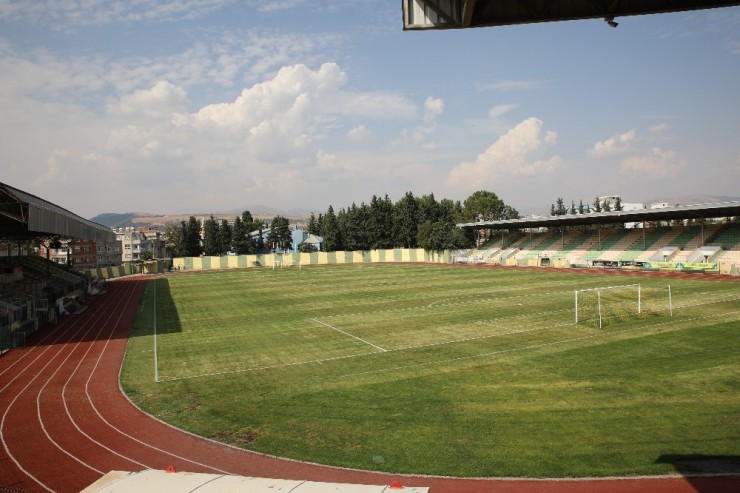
{"type": "Point", "coordinates": [208, 106]}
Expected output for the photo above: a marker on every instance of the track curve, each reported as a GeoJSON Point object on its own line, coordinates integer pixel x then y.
{"type": "Point", "coordinates": [64, 422]}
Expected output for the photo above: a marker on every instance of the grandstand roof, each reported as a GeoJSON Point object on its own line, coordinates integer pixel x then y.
{"type": "Point", "coordinates": [460, 14]}
{"type": "Point", "coordinates": [698, 211]}
{"type": "Point", "coordinates": [24, 216]}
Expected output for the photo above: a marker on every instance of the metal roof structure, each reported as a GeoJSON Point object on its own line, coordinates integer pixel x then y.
{"type": "Point", "coordinates": [24, 216]}
{"type": "Point", "coordinates": [680, 212]}
{"type": "Point", "coordinates": [461, 14]}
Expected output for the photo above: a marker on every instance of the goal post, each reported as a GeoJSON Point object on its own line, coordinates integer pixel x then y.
{"type": "Point", "coordinates": [603, 305]}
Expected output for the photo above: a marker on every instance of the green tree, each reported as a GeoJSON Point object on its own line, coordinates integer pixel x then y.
{"type": "Point", "coordinates": [280, 237]}
{"type": "Point", "coordinates": [173, 239]}
{"type": "Point", "coordinates": [405, 225]}
{"type": "Point", "coordinates": [313, 225]}
{"type": "Point", "coordinates": [354, 225]}
{"type": "Point", "coordinates": [191, 238]}
{"type": "Point", "coordinates": [307, 248]}
{"type": "Point", "coordinates": [486, 206]}
{"type": "Point", "coordinates": [380, 223]}
{"type": "Point", "coordinates": [560, 207]}
{"type": "Point", "coordinates": [225, 233]}
{"type": "Point", "coordinates": [597, 205]}
{"type": "Point", "coordinates": [211, 243]}
{"type": "Point", "coordinates": [330, 231]}
{"type": "Point", "coordinates": [427, 209]}
{"type": "Point", "coordinates": [249, 222]}
{"type": "Point", "coordinates": [241, 241]}
{"type": "Point", "coordinates": [259, 226]}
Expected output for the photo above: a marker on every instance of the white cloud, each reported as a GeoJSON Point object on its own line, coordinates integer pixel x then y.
{"type": "Point", "coordinates": [618, 144]}
{"type": "Point", "coordinates": [511, 85]}
{"type": "Point", "coordinates": [274, 142]}
{"type": "Point", "coordinates": [660, 127]}
{"type": "Point", "coordinates": [163, 99]}
{"type": "Point", "coordinates": [516, 153]}
{"type": "Point", "coordinates": [433, 107]}
{"type": "Point", "coordinates": [500, 110]}
{"type": "Point", "coordinates": [63, 13]}
{"type": "Point", "coordinates": [360, 133]}
{"type": "Point", "coordinates": [660, 163]}
{"type": "Point", "coordinates": [274, 5]}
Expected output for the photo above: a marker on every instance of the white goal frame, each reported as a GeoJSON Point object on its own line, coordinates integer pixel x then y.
{"type": "Point", "coordinates": [599, 290]}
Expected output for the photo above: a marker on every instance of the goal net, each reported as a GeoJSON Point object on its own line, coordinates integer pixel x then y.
{"type": "Point", "coordinates": [604, 305]}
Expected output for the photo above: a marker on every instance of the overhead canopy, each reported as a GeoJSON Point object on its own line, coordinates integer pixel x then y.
{"type": "Point", "coordinates": [452, 14]}
{"type": "Point", "coordinates": [24, 216]}
{"type": "Point", "coordinates": [699, 211]}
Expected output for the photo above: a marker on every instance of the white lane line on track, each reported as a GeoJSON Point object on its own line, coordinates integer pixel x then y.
{"type": "Point", "coordinates": [74, 372]}
{"type": "Point", "coordinates": [65, 347]}
{"type": "Point", "coordinates": [97, 412]}
{"type": "Point", "coordinates": [20, 393]}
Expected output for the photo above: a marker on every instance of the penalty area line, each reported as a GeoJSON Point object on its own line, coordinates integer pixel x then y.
{"type": "Point", "coordinates": [349, 335]}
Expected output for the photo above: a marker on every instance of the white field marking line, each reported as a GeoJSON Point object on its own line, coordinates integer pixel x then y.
{"type": "Point", "coordinates": [402, 348]}
{"type": "Point", "coordinates": [711, 302]}
{"type": "Point", "coordinates": [156, 362]}
{"type": "Point", "coordinates": [487, 336]}
{"type": "Point", "coordinates": [268, 367]}
{"type": "Point", "coordinates": [335, 358]}
{"type": "Point", "coordinates": [92, 404]}
{"type": "Point", "coordinates": [348, 334]}
{"type": "Point", "coordinates": [467, 301]}
{"type": "Point", "coordinates": [10, 405]}
{"type": "Point", "coordinates": [706, 369]}
{"type": "Point", "coordinates": [74, 372]}
{"type": "Point", "coordinates": [535, 346]}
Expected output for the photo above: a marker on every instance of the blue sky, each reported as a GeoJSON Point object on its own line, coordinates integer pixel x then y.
{"type": "Point", "coordinates": [202, 106]}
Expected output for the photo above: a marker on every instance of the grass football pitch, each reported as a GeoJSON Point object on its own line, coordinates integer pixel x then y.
{"type": "Point", "coordinates": [442, 370]}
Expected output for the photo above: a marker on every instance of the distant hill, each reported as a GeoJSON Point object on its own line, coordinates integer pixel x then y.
{"type": "Point", "coordinates": [144, 219]}
{"type": "Point", "coordinates": [114, 220]}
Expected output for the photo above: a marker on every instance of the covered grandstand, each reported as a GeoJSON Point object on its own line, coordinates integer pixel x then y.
{"type": "Point", "coordinates": [701, 237]}
{"type": "Point", "coordinates": [33, 291]}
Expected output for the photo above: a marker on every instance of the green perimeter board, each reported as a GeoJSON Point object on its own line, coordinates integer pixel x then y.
{"type": "Point", "coordinates": [443, 370]}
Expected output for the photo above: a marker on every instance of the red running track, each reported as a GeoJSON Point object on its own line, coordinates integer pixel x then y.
{"type": "Point", "coordinates": [64, 422]}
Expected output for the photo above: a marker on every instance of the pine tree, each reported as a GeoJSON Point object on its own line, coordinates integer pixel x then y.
{"type": "Point", "coordinates": [405, 225]}
{"type": "Point", "coordinates": [380, 223]}
{"type": "Point", "coordinates": [330, 231]}
{"type": "Point", "coordinates": [211, 244]}
{"type": "Point", "coordinates": [191, 238]}
{"type": "Point", "coordinates": [224, 237]}
{"type": "Point", "coordinates": [313, 225]}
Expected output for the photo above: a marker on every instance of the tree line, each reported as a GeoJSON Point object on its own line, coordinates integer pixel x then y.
{"type": "Point", "coordinates": [189, 239]}
{"type": "Point", "coordinates": [599, 205]}
{"type": "Point", "coordinates": [410, 222]}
